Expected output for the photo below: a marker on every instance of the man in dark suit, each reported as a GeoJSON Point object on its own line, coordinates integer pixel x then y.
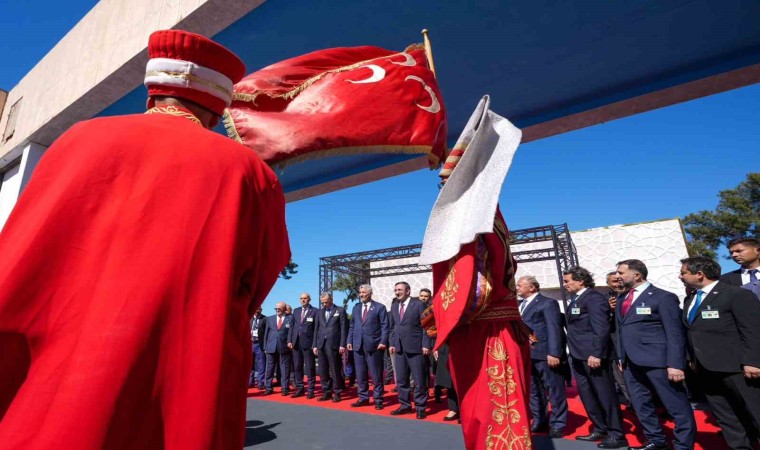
{"type": "Point", "coordinates": [724, 348]}
{"type": "Point", "coordinates": [651, 346]}
{"type": "Point", "coordinates": [410, 345]}
{"type": "Point", "coordinates": [746, 253]}
{"type": "Point", "coordinates": [614, 289]}
{"type": "Point", "coordinates": [276, 347]}
{"type": "Point", "coordinates": [547, 352]}
{"type": "Point", "coordinates": [300, 340]}
{"type": "Point", "coordinates": [368, 339]}
{"type": "Point", "coordinates": [588, 336]}
{"type": "Point", "coordinates": [258, 326]}
{"type": "Point", "coordinates": [329, 344]}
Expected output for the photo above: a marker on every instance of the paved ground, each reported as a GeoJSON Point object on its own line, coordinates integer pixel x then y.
{"type": "Point", "coordinates": [278, 426]}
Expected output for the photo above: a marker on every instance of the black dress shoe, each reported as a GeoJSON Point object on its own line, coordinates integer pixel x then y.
{"type": "Point", "coordinates": [421, 414]}
{"type": "Point", "coordinates": [310, 395]}
{"type": "Point", "coordinates": [285, 393]}
{"type": "Point", "coordinates": [613, 443]}
{"type": "Point", "coordinates": [395, 389]}
{"type": "Point", "coordinates": [359, 403]}
{"type": "Point", "coordinates": [336, 398]}
{"type": "Point", "coordinates": [268, 392]}
{"type": "Point", "coordinates": [539, 427]}
{"type": "Point", "coordinates": [379, 406]}
{"type": "Point", "coordinates": [401, 410]}
{"type": "Point", "coordinates": [650, 446]}
{"type": "Point", "coordinates": [324, 397]}
{"type": "Point", "coordinates": [556, 433]}
{"type": "Point", "coordinates": [451, 418]}
{"type": "Point", "coordinates": [298, 393]}
{"type": "Point", "coordinates": [592, 437]}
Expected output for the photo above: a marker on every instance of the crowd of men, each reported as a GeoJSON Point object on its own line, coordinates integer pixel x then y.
{"type": "Point", "coordinates": [637, 346]}
{"type": "Point", "coordinates": [373, 345]}
{"type": "Point", "coordinates": [640, 347]}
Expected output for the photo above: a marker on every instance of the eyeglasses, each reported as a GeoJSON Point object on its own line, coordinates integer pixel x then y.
{"type": "Point", "coordinates": [278, 309]}
{"type": "Point", "coordinates": [304, 298]}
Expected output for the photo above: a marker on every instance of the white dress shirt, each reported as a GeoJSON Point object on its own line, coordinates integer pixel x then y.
{"type": "Point", "coordinates": [706, 291]}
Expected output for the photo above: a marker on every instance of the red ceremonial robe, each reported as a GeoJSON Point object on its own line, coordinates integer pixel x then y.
{"type": "Point", "coordinates": [129, 269]}
{"type": "Point", "coordinates": [475, 311]}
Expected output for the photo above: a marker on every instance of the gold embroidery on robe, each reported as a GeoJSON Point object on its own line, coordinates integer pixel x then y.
{"type": "Point", "coordinates": [502, 387]}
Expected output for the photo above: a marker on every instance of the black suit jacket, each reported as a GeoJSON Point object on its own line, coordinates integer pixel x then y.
{"type": "Point", "coordinates": [331, 333]}
{"type": "Point", "coordinates": [262, 327]}
{"type": "Point", "coordinates": [733, 278]}
{"type": "Point", "coordinates": [588, 331]}
{"type": "Point", "coordinates": [407, 334]}
{"type": "Point", "coordinates": [732, 340]}
{"type": "Point", "coordinates": [302, 333]}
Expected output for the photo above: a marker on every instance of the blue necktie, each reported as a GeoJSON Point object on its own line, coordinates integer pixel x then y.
{"type": "Point", "coordinates": [697, 302]}
{"type": "Point", "coordinates": [753, 275]}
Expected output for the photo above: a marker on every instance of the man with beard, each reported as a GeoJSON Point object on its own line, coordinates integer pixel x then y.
{"type": "Point", "coordinates": [651, 346]}
{"type": "Point", "coordinates": [746, 253]}
{"type": "Point", "coordinates": [616, 289]}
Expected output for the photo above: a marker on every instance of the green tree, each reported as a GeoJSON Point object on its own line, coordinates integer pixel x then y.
{"type": "Point", "coordinates": [348, 285]}
{"type": "Point", "coordinates": [288, 271]}
{"type": "Point", "coordinates": [737, 215]}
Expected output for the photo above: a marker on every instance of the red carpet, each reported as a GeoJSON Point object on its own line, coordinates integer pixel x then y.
{"type": "Point", "coordinates": [708, 437]}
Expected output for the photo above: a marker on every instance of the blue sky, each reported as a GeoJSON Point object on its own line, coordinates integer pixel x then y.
{"type": "Point", "coordinates": [661, 164]}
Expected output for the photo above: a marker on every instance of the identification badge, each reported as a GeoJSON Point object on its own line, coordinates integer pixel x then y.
{"type": "Point", "coordinates": [575, 311]}
{"type": "Point", "coordinates": [287, 325]}
{"type": "Point", "coordinates": [710, 315]}
{"type": "Point", "coordinates": [336, 314]}
{"type": "Point", "coordinates": [310, 319]}
{"type": "Point", "coordinates": [643, 310]}
{"type": "Point", "coordinates": [255, 333]}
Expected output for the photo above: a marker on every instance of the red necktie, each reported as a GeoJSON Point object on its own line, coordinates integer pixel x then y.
{"type": "Point", "coordinates": [401, 311]}
{"type": "Point", "coordinates": [279, 322]}
{"type": "Point", "coordinates": [364, 314]}
{"type": "Point", "coordinates": [627, 302]}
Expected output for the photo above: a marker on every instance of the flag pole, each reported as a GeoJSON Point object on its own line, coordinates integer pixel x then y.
{"type": "Point", "coordinates": [428, 50]}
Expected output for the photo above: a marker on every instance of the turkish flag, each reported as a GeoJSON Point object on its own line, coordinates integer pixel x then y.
{"type": "Point", "coordinates": [341, 101]}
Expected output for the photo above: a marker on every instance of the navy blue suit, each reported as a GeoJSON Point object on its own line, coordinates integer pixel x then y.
{"type": "Point", "coordinates": [329, 336]}
{"type": "Point", "coordinates": [276, 348]}
{"type": "Point", "coordinates": [258, 368]}
{"type": "Point", "coordinates": [302, 338]}
{"type": "Point", "coordinates": [365, 335]}
{"type": "Point", "coordinates": [652, 338]}
{"type": "Point", "coordinates": [543, 317]}
{"type": "Point", "coordinates": [588, 334]}
{"type": "Point", "coordinates": [409, 338]}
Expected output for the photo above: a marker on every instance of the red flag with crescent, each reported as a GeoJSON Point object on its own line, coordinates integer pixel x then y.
{"type": "Point", "coordinates": [341, 101]}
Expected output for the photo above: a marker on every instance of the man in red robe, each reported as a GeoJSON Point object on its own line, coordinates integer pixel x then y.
{"type": "Point", "coordinates": [475, 303]}
{"type": "Point", "coordinates": [130, 267]}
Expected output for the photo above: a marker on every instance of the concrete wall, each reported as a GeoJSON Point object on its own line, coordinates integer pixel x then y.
{"type": "Point", "coordinates": [101, 59]}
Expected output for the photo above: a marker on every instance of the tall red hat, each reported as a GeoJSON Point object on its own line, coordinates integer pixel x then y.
{"type": "Point", "coordinates": [192, 67]}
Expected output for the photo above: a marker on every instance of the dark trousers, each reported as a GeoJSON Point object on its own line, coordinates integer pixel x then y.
{"type": "Point", "coordinates": [331, 371]}
{"type": "Point", "coordinates": [414, 364]}
{"type": "Point", "coordinates": [597, 391]}
{"type": "Point", "coordinates": [283, 360]}
{"type": "Point", "coordinates": [389, 376]}
{"type": "Point", "coordinates": [735, 402]}
{"type": "Point", "coordinates": [545, 379]}
{"type": "Point", "coordinates": [453, 400]}
{"type": "Point", "coordinates": [642, 382]}
{"type": "Point", "coordinates": [258, 368]}
{"type": "Point", "coordinates": [372, 362]}
{"type": "Point", "coordinates": [304, 363]}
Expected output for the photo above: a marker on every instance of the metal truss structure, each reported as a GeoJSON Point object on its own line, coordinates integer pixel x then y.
{"type": "Point", "coordinates": [549, 242]}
